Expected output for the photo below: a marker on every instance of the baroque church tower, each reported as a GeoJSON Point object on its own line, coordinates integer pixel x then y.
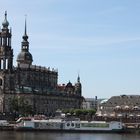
{"type": "Point", "coordinates": [6, 53]}
{"type": "Point", "coordinates": [6, 57]}
{"type": "Point", "coordinates": [24, 58]}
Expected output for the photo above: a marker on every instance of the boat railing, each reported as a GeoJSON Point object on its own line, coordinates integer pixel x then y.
{"type": "Point", "coordinates": [23, 119]}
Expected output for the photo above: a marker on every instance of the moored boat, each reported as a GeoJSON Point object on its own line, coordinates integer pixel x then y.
{"type": "Point", "coordinates": [69, 125]}
{"type": "Point", "coordinates": [4, 125]}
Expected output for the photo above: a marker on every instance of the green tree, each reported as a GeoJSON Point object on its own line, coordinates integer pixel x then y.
{"type": "Point", "coordinates": [78, 112]}
{"type": "Point", "coordinates": [91, 112]}
{"type": "Point", "coordinates": [20, 106]}
{"type": "Point", "coordinates": [84, 111]}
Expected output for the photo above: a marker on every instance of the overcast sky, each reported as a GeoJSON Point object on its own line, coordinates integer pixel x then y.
{"type": "Point", "coordinates": [99, 39]}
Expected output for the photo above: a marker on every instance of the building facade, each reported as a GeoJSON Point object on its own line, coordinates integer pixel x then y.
{"type": "Point", "coordinates": [90, 103]}
{"type": "Point", "coordinates": [123, 106]}
{"type": "Point", "coordinates": [33, 86]}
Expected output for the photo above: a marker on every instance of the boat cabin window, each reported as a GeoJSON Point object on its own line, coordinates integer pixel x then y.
{"type": "Point", "coordinates": [77, 125]}
{"type": "Point", "coordinates": [72, 124]}
{"type": "Point", "coordinates": [68, 124]}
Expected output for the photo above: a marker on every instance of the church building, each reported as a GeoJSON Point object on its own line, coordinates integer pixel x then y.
{"type": "Point", "coordinates": [28, 88]}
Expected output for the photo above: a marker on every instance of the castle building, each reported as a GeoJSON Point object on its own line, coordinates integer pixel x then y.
{"type": "Point", "coordinates": [29, 86]}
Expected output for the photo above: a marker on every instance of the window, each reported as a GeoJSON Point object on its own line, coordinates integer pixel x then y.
{"type": "Point", "coordinates": [0, 82]}
{"type": "Point", "coordinates": [72, 124]}
{"type": "Point", "coordinates": [68, 124]}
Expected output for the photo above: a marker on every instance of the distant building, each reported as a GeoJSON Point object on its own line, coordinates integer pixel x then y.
{"type": "Point", "coordinates": [34, 86]}
{"type": "Point", "coordinates": [121, 106]}
{"type": "Point", "coordinates": [90, 103]}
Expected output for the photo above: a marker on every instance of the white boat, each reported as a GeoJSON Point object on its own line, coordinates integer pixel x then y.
{"type": "Point", "coordinates": [4, 123]}
{"type": "Point", "coordinates": [74, 125]}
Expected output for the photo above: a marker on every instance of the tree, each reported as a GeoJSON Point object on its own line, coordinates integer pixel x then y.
{"type": "Point", "coordinates": [20, 106]}
{"type": "Point", "coordinates": [78, 112]}
{"type": "Point", "coordinates": [91, 112]}
{"type": "Point", "coordinates": [82, 113]}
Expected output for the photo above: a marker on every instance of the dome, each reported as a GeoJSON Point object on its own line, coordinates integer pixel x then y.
{"type": "Point", "coordinates": [104, 101]}
{"type": "Point", "coordinates": [136, 107]}
{"type": "Point", "coordinates": [126, 107]}
{"type": "Point", "coordinates": [24, 57]}
{"type": "Point", "coordinates": [117, 107]}
{"type": "Point", "coordinates": [5, 23]}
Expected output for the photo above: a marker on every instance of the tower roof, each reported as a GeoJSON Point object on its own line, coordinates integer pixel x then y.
{"type": "Point", "coordinates": [25, 56]}
{"type": "Point", "coordinates": [5, 23]}
{"type": "Point", "coordinates": [25, 37]}
{"type": "Point", "coordinates": [78, 79]}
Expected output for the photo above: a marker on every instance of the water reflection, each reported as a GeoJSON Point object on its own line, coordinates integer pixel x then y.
{"type": "Point", "coordinates": [10, 135]}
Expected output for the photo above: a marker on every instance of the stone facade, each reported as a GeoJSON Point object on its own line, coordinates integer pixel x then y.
{"type": "Point", "coordinates": [35, 86]}
{"type": "Point", "coordinates": [121, 106]}
{"type": "Point", "coordinates": [90, 103]}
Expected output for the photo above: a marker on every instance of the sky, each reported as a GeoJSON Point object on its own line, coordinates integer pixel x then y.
{"type": "Point", "coordinates": [97, 39]}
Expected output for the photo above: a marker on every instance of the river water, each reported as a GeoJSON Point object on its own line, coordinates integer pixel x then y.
{"type": "Point", "coordinates": [11, 135]}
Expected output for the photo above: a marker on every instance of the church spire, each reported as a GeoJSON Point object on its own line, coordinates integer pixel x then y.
{"type": "Point", "coordinates": [25, 36]}
{"type": "Point", "coordinates": [78, 79]}
{"type": "Point", "coordinates": [25, 27]}
{"type": "Point", "coordinates": [25, 43]}
{"type": "Point", "coordinates": [25, 57]}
